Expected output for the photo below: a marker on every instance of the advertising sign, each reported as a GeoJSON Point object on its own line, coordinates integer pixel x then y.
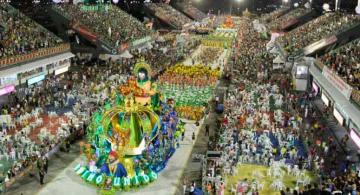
{"type": "Point", "coordinates": [141, 41]}
{"type": "Point", "coordinates": [8, 80]}
{"type": "Point", "coordinates": [36, 79]}
{"type": "Point", "coordinates": [315, 88]}
{"type": "Point", "coordinates": [338, 116]}
{"type": "Point", "coordinates": [85, 32]}
{"type": "Point", "coordinates": [337, 82]}
{"type": "Point", "coordinates": [319, 44]}
{"type": "Point", "coordinates": [7, 90]}
{"type": "Point", "coordinates": [325, 99]}
{"type": "Point", "coordinates": [355, 137]}
{"type": "Point", "coordinates": [61, 70]}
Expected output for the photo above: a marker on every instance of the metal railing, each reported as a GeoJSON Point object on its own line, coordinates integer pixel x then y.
{"type": "Point", "coordinates": [12, 60]}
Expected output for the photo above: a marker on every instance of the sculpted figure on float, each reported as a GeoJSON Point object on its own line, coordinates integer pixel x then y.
{"type": "Point", "coordinates": [145, 88]}
{"type": "Point", "coordinates": [140, 86]}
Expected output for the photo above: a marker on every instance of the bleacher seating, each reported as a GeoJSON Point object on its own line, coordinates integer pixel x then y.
{"type": "Point", "coordinates": [22, 39]}
{"type": "Point", "coordinates": [113, 26]}
{"type": "Point", "coordinates": [321, 27]}
{"type": "Point", "coordinates": [345, 61]}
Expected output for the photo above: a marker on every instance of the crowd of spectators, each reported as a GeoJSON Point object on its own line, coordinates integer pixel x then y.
{"type": "Point", "coordinates": [20, 35]}
{"type": "Point", "coordinates": [345, 61]}
{"type": "Point", "coordinates": [321, 27]}
{"type": "Point", "coordinates": [289, 127]}
{"type": "Point", "coordinates": [168, 13]}
{"type": "Point", "coordinates": [112, 25]}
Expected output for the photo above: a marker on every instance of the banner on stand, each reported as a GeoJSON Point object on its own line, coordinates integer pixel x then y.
{"type": "Point", "coordinates": [337, 82]}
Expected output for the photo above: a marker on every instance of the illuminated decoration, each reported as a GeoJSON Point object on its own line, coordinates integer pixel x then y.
{"type": "Point", "coordinates": [128, 142]}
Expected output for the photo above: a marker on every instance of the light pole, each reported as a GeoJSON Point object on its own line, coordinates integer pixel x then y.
{"type": "Point", "coordinates": [231, 4]}
{"type": "Point", "coordinates": [285, 2]}
{"type": "Point", "coordinates": [337, 4]}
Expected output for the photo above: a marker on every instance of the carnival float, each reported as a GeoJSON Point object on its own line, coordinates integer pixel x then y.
{"type": "Point", "coordinates": [131, 138]}
{"type": "Point", "coordinates": [222, 37]}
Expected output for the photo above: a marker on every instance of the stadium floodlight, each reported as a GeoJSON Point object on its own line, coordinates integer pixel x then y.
{"type": "Point", "coordinates": [357, 9]}
{"type": "Point", "coordinates": [296, 4]}
{"type": "Point", "coordinates": [326, 7]}
{"type": "Point", "coordinates": [115, 1]}
{"type": "Point", "coordinates": [285, 1]}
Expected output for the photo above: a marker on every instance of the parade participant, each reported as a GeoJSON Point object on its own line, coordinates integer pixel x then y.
{"type": "Point", "coordinates": [113, 167]}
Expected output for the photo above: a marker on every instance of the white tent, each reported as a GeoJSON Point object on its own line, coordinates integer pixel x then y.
{"type": "Point", "coordinates": [126, 54]}
{"type": "Point", "coordinates": [278, 60]}
{"type": "Point", "coordinates": [274, 50]}
{"type": "Point", "coordinates": [278, 63]}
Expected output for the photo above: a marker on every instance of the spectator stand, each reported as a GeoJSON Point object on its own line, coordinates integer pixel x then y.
{"type": "Point", "coordinates": [344, 61]}
{"type": "Point", "coordinates": [323, 26]}
{"type": "Point", "coordinates": [111, 37]}
{"type": "Point", "coordinates": [24, 40]}
{"type": "Point", "coordinates": [287, 19]}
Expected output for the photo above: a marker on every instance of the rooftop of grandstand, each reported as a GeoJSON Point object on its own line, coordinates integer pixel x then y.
{"type": "Point", "coordinates": [321, 27]}
{"type": "Point", "coordinates": [193, 12]}
{"type": "Point", "coordinates": [168, 13]}
{"type": "Point", "coordinates": [278, 22]}
{"type": "Point", "coordinates": [22, 39]}
{"type": "Point", "coordinates": [273, 15]}
{"type": "Point", "coordinates": [102, 23]}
